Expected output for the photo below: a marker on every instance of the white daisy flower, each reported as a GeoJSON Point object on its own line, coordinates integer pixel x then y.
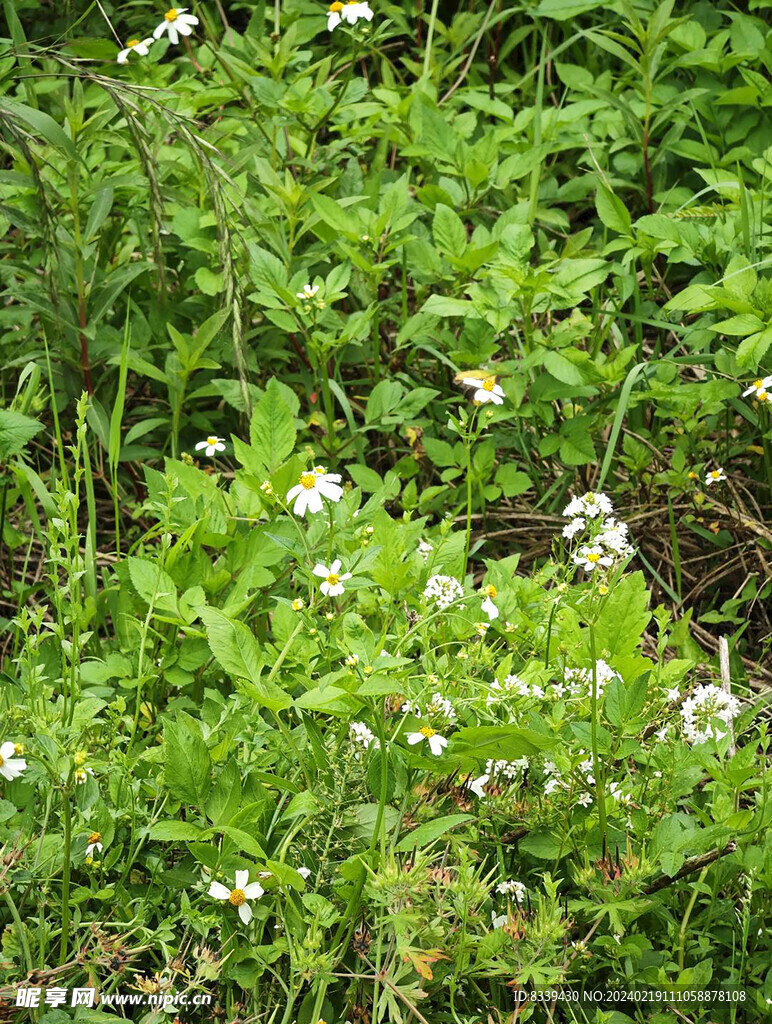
{"type": "Point", "coordinates": [177, 23]}
{"type": "Point", "coordinates": [662, 733]}
{"type": "Point", "coordinates": [211, 445]}
{"type": "Point", "coordinates": [80, 775]}
{"type": "Point", "coordinates": [673, 693]}
{"type": "Point", "coordinates": [584, 799]}
{"type": "Point", "coordinates": [477, 785]}
{"type": "Point", "coordinates": [314, 485]}
{"type": "Point", "coordinates": [94, 843]}
{"type": "Point", "coordinates": [715, 476]}
{"type": "Point", "coordinates": [239, 894]}
{"type": "Point", "coordinates": [488, 606]}
{"type": "Point", "coordinates": [760, 389]}
{"type": "Point", "coordinates": [333, 578]}
{"type": "Point", "coordinates": [360, 734]}
{"type": "Point", "coordinates": [309, 290]}
{"type": "Point", "coordinates": [11, 766]}
{"type": "Point", "coordinates": [436, 742]}
{"type": "Point", "coordinates": [352, 660]}
{"type": "Point", "coordinates": [486, 391]}
{"type": "Point", "coordinates": [589, 558]}
{"type": "Point", "coordinates": [349, 12]}
{"type": "Point", "coordinates": [140, 46]}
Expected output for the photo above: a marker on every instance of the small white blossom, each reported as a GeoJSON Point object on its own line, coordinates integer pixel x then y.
{"type": "Point", "coordinates": [700, 712]}
{"type": "Point", "coordinates": [11, 766]}
{"type": "Point", "coordinates": [211, 445]}
{"type": "Point", "coordinates": [490, 609]}
{"type": "Point", "coordinates": [485, 391]}
{"type": "Point", "coordinates": [140, 46]}
{"type": "Point", "coordinates": [760, 389]}
{"type": "Point", "coordinates": [309, 290]}
{"type": "Point", "coordinates": [314, 485]}
{"type": "Point", "coordinates": [571, 529]}
{"type": "Point", "coordinates": [512, 888]}
{"type": "Point", "coordinates": [177, 23]}
{"type": "Point", "coordinates": [715, 476]}
{"type": "Point", "coordinates": [242, 891]}
{"type": "Point", "coordinates": [444, 590]}
{"type": "Point", "coordinates": [590, 557]}
{"type": "Point", "coordinates": [333, 578]}
{"type": "Point", "coordinates": [350, 12]}
{"type": "Point", "coordinates": [359, 734]}
{"type": "Point", "coordinates": [94, 843]}
{"type": "Point", "coordinates": [435, 741]}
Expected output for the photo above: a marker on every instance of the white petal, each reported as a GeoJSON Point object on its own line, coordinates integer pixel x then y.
{"type": "Point", "coordinates": [325, 588]}
{"type": "Point", "coordinates": [304, 872]}
{"type": "Point", "coordinates": [245, 913]}
{"type": "Point", "coordinates": [436, 743]}
{"type": "Point", "coordinates": [7, 750]}
{"type": "Point", "coordinates": [158, 32]}
{"type": "Point", "coordinates": [335, 567]}
{"type": "Point", "coordinates": [321, 570]}
{"type": "Point", "coordinates": [241, 879]}
{"type": "Point", "coordinates": [4, 771]}
{"type": "Point", "coordinates": [345, 576]}
{"type": "Point", "coordinates": [495, 399]}
{"type": "Point", "coordinates": [142, 48]}
{"type": "Point", "coordinates": [415, 737]}
{"type": "Point", "coordinates": [182, 27]}
{"type": "Point", "coordinates": [253, 891]}
{"type": "Point", "coordinates": [173, 37]}
{"type": "Point", "coordinates": [333, 20]}
{"type": "Point", "coordinates": [188, 19]}
{"type": "Point", "coordinates": [331, 491]}
{"type": "Point", "coordinates": [314, 501]}
{"type": "Point", "coordinates": [220, 447]}
{"type": "Point", "coordinates": [334, 589]}
{"type": "Point", "coordinates": [123, 57]}
{"type": "Point", "coordinates": [293, 492]}
{"type": "Point", "coordinates": [302, 503]}
{"type": "Point", "coordinates": [476, 785]}
{"type": "Point", "coordinates": [219, 891]}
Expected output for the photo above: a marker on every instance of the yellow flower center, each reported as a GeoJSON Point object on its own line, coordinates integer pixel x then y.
{"type": "Point", "coordinates": [337, 6]}
{"type": "Point", "coordinates": [714, 474]}
{"type": "Point", "coordinates": [80, 775]}
{"type": "Point", "coordinates": [593, 557]}
{"type": "Point", "coordinates": [212, 440]}
{"type": "Point", "coordinates": [171, 14]}
{"type": "Point", "coordinates": [332, 579]}
{"type": "Point", "coordinates": [757, 383]}
{"type": "Point", "coordinates": [95, 837]}
{"type": "Point", "coordinates": [762, 395]}
{"type": "Point", "coordinates": [237, 897]}
{"type": "Point", "coordinates": [18, 749]}
{"type": "Point", "coordinates": [132, 43]}
{"type": "Point", "coordinates": [308, 480]}
{"type": "Point", "coordinates": [490, 591]}
{"type": "Point", "coordinates": [427, 732]}
{"type": "Point", "coordinates": [2, 761]}
{"type": "Point", "coordinates": [489, 384]}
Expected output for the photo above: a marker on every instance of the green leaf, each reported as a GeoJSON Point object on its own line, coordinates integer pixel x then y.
{"type": "Point", "coordinates": [612, 211]}
{"type": "Point", "coordinates": [272, 431]}
{"type": "Point", "coordinates": [752, 350]}
{"type": "Point", "coordinates": [15, 431]}
{"type": "Point", "coordinates": [431, 830]}
{"type": "Point", "coordinates": [449, 231]}
{"type": "Point", "coordinates": [232, 644]}
{"type": "Point", "coordinates": [153, 584]}
{"type": "Point", "coordinates": [175, 831]}
{"type": "Point", "coordinates": [444, 305]}
{"type": "Point", "coordinates": [186, 763]}
{"type": "Point", "coordinates": [739, 326]}
{"type": "Point", "coordinates": [624, 616]}
{"type": "Point", "coordinates": [512, 481]}
{"type": "Point", "coordinates": [500, 741]}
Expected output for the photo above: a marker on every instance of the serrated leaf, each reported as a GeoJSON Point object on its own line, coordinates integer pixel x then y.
{"type": "Point", "coordinates": [186, 764]}
{"type": "Point", "coordinates": [431, 830]}
{"type": "Point", "coordinates": [153, 584]}
{"type": "Point", "coordinates": [15, 431]}
{"type": "Point", "coordinates": [272, 431]}
{"type": "Point", "coordinates": [448, 231]}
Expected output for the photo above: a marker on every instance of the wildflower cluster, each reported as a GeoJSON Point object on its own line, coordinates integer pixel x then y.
{"type": "Point", "coordinates": [701, 714]}
{"type": "Point", "coordinates": [605, 539]}
{"type": "Point", "coordinates": [443, 590]}
{"type": "Point", "coordinates": [177, 22]}
{"type": "Point", "coordinates": [497, 772]}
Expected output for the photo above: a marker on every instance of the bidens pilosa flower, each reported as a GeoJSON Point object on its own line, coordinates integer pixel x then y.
{"type": "Point", "coordinates": [11, 766]}
{"type": "Point", "coordinates": [435, 741]}
{"type": "Point", "coordinates": [140, 46]}
{"type": "Point", "coordinates": [760, 389]}
{"type": "Point", "coordinates": [314, 485]}
{"type": "Point", "coordinates": [488, 606]}
{"type": "Point", "coordinates": [349, 12]}
{"type": "Point", "coordinates": [211, 445]}
{"type": "Point", "coordinates": [485, 391]}
{"type": "Point", "coordinates": [177, 23]}
{"type": "Point", "coordinates": [715, 476]}
{"type": "Point", "coordinates": [239, 894]}
{"type": "Point", "coordinates": [332, 585]}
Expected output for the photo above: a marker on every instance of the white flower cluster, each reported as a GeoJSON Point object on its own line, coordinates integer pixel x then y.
{"type": "Point", "coordinates": [443, 590]}
{"type": "Point", "coordinates": [176, 23]}
{"type": "Point", "coordinates": [554, 780]}
{"type": "Point", "coordinates": [512, 888]}
{"type": "Point", "coordinates": [359, 734]}
{"type": "Point", "coordinates": [350, 12]}
{"type": "Point", "coordinates": [438, 707]}
{"type": "Point", "coordinates": [512, 685]}
{"type": "Point", "coordinates": [760, 389]}
{"type": "Point", "coordinates": [578, 681]}
{"type": "Point", "coordinates": [708, 705]}
{"type": "Point", "coordinates": [505, 770]}
{"type": "Point", "coordinates": [607, 540]}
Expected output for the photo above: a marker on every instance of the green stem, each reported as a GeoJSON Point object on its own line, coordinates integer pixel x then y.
{"type": "Point", "coordinates": [20, 929]}
{"type": "Point", "coordinates": [687, 915]}
{"type": "Point", "coordinates": [600, 792]}
{"type": "Point", "coordinates": [430, 37]}
{"type": "Point", "coordinates": [67, 815]}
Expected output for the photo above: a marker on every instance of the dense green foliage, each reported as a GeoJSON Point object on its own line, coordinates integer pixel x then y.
{"type": "Point", "coordinates": [516, 737]}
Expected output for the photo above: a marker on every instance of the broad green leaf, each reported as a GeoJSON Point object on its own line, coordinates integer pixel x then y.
{"type": "Point", "coordinates": [624, 616]}
{"type": "Point", "coordinates": [431, 830]}
{"type": "Point", "coordinates": [612, 211]}
{"type": "Point", "coordinates": [272, 431]}
{"type": "Point", "coordinates": [153, 584]}
{"type": "Point", "coordinates": [175, 831]}
{"type": "Point", "coordinates": [752, 350]}
{"type": "Point", "coordinates": [232, 644]}
{"type": "Point", "coordinates": [449, 231]}
{"type": "Point", "coordinates": [15, 431]}
{"type": "Point", "coordinates": [186, 763]}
